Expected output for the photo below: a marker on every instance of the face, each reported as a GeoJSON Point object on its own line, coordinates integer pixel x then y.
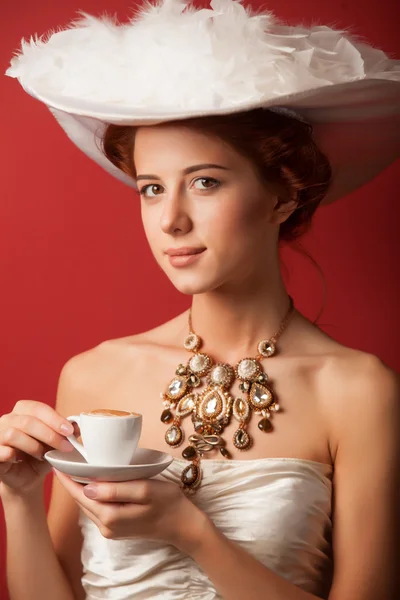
{"type": "Point", "coordinates": [223, 210]}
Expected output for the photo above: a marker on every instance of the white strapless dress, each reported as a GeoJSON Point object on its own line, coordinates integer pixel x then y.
{"type": "Point", "coordinates": [277, 509]}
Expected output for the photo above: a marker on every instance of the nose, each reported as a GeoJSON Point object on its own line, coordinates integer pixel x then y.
{"type": "Point", "coordinates": [175, 217]}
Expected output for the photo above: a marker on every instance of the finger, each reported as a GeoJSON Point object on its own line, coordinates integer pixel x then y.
{"type": "Point", "coordinates": [44, 413]}
{"type": "Point", "coordinates": [76, 491]}
{"type": "Point", "coordinates": [15, 438]}
{"type": "Point", "coordinates": [7, 458]}
{"type": "Point", "coordinates": [35, 428]}
{"type": "Point", "coordinates": [7, 454]}
{"type": "Point", "coordinates": [139, 491]}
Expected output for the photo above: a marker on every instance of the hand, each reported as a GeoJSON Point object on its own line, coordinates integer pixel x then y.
{"type": "Point", "coordinates": [26, 434]}
{"type": "Point", "coordinates": [146, 508]}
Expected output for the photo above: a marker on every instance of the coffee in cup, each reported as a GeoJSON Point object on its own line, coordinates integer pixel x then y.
{"type": "Point", "coordinates": [109, 437]}
{"type": "Point", "coordinates": [110, 412]}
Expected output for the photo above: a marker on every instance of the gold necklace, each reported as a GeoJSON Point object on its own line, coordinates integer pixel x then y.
{"type": "Point", "coordinates": [211, 410]}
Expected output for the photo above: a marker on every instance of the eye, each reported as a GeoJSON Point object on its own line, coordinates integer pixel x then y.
{"type": "Point", "coordinates": [215, 182]}
{"type": "Point", "coordinates": [143, 191]}
{"type": "Point", "coordinates": [155, 186]}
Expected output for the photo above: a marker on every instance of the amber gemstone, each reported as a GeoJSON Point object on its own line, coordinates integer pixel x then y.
{"type": "Point", "coordinates": [189, 453]}
{"type": "Point", "coordinates": [225, 453]}
{"type": "Point", "coordinates": [167, 416]}
{"type": "Point", "coordinates": [265, 425]}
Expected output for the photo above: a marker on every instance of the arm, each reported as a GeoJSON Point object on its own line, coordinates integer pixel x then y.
{"type": "Point", "coordinates": [33, 570]}
{"type": "Point", "coordinates": [366, 518]}
{"type": "Point", "coordinates": [43, 557]}
{"type": "Point", "coordinates": [366, 534]}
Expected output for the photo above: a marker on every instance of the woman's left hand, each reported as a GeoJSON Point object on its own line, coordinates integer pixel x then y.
{"type": "Point", "coordinates": [146, 508]}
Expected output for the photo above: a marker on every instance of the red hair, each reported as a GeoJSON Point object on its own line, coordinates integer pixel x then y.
{"type": "Point", "coordinates": [281, 147]}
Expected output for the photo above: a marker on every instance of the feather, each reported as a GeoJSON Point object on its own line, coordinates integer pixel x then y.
{"type": "Point", "coordinates": [172, 55]}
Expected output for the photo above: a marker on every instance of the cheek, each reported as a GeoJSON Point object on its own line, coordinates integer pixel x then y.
{"type": "Point", "coordinates": [240, 218]}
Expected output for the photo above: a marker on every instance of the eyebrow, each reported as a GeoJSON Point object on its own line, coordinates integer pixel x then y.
{"type": "Point", "coordinates": [187, 170]}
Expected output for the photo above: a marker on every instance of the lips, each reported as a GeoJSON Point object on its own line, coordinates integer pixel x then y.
{"type": "Point", "coordinates": [185, 251]}
{"type": "Point", "coordinates": [183, 257]}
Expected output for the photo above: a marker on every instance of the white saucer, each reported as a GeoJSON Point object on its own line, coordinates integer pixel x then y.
{"type": "Point", "coordinates": [146, 463]}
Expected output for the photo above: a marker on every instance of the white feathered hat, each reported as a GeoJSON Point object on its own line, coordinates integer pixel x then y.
{"type": "Point", "coordinates": [174, 61]}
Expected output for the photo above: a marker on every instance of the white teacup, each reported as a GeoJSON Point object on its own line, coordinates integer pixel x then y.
{"type": "Point", "coordinates": [110, 437]}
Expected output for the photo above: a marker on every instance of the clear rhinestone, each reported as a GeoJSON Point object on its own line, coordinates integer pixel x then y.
{"type": "Point", "coordinates": [175, 387]}
{"type": "Point", "coordinates": [188, 403]}
{"type": "Point", "coordinates": [211, 405]}
{"type": "Point", "coordinates": [172, 435]}
{"type": "Point", "coordinates": [266, 348]}
{"type": "Point", "coordinates": [261, 396]}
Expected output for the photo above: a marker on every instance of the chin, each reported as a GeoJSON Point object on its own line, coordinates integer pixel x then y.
{"type": "Point", "coordinates": [197, 278]}
{"type": "Point", "coordinates": [193, 283]}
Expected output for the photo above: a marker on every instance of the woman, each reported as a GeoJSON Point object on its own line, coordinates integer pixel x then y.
{"type": "Point", "coordinates": [301, 502]}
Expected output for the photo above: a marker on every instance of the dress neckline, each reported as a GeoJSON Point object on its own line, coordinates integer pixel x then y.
{"type": "Point", "coordinates": [259, 460]}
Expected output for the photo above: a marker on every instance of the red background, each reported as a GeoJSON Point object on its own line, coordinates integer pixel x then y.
{"type": "Point", "coordinates": [74, 264]}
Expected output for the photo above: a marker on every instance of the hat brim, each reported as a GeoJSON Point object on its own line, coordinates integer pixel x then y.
{"type": "Point", "coordinates": [356, 124]}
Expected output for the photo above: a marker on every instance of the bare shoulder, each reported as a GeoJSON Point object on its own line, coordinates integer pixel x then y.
{"type": "Point", "coordinates": [360, 395]}
{"type": "Point", "coordinates": [357, 378]}
{"type": "Point", "coordinates": [91, 370]}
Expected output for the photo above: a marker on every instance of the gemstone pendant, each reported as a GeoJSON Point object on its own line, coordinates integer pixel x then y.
{"type": "Point", "coordinates": [260, 396]}
{"type": "Point", "coordinates": [265, 425]}
{"type": "Point", "coordinates": [241, 409]}
{"type": "Point", "coordinates": [174, 436]}
{"type": "Point", "coordinates": [166, 416]}
{"type": "Point", "coordinates": [213, 405]}
{"type": "Point", "coordinates": [242, 440]}
{"type": "Point", "coordinates": [225, 453]}
{"type": "Point", "coordinates": [186, 405]}
{"type": "Point", "coordinates": [177, 388]}
{"type": "Point", "coordinates": [189, 453]}
{"type": "Point", "coordinates": [191, 476]}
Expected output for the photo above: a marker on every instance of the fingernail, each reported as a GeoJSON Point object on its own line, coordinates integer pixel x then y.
{"type": "Point", "coordinates": [67, 429]}
{"type": "Point", "coordinates": [90, 491]}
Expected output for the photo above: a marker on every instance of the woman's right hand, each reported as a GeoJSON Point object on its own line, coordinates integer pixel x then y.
{"type": "Point", "coordinates": [26, 433]}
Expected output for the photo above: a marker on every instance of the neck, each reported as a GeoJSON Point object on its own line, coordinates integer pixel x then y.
{"type": "Point", "coordinates": [232, 322]}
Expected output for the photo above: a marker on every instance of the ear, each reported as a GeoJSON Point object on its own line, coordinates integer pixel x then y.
{"type": "Point", "coordinates": [282, 209]}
